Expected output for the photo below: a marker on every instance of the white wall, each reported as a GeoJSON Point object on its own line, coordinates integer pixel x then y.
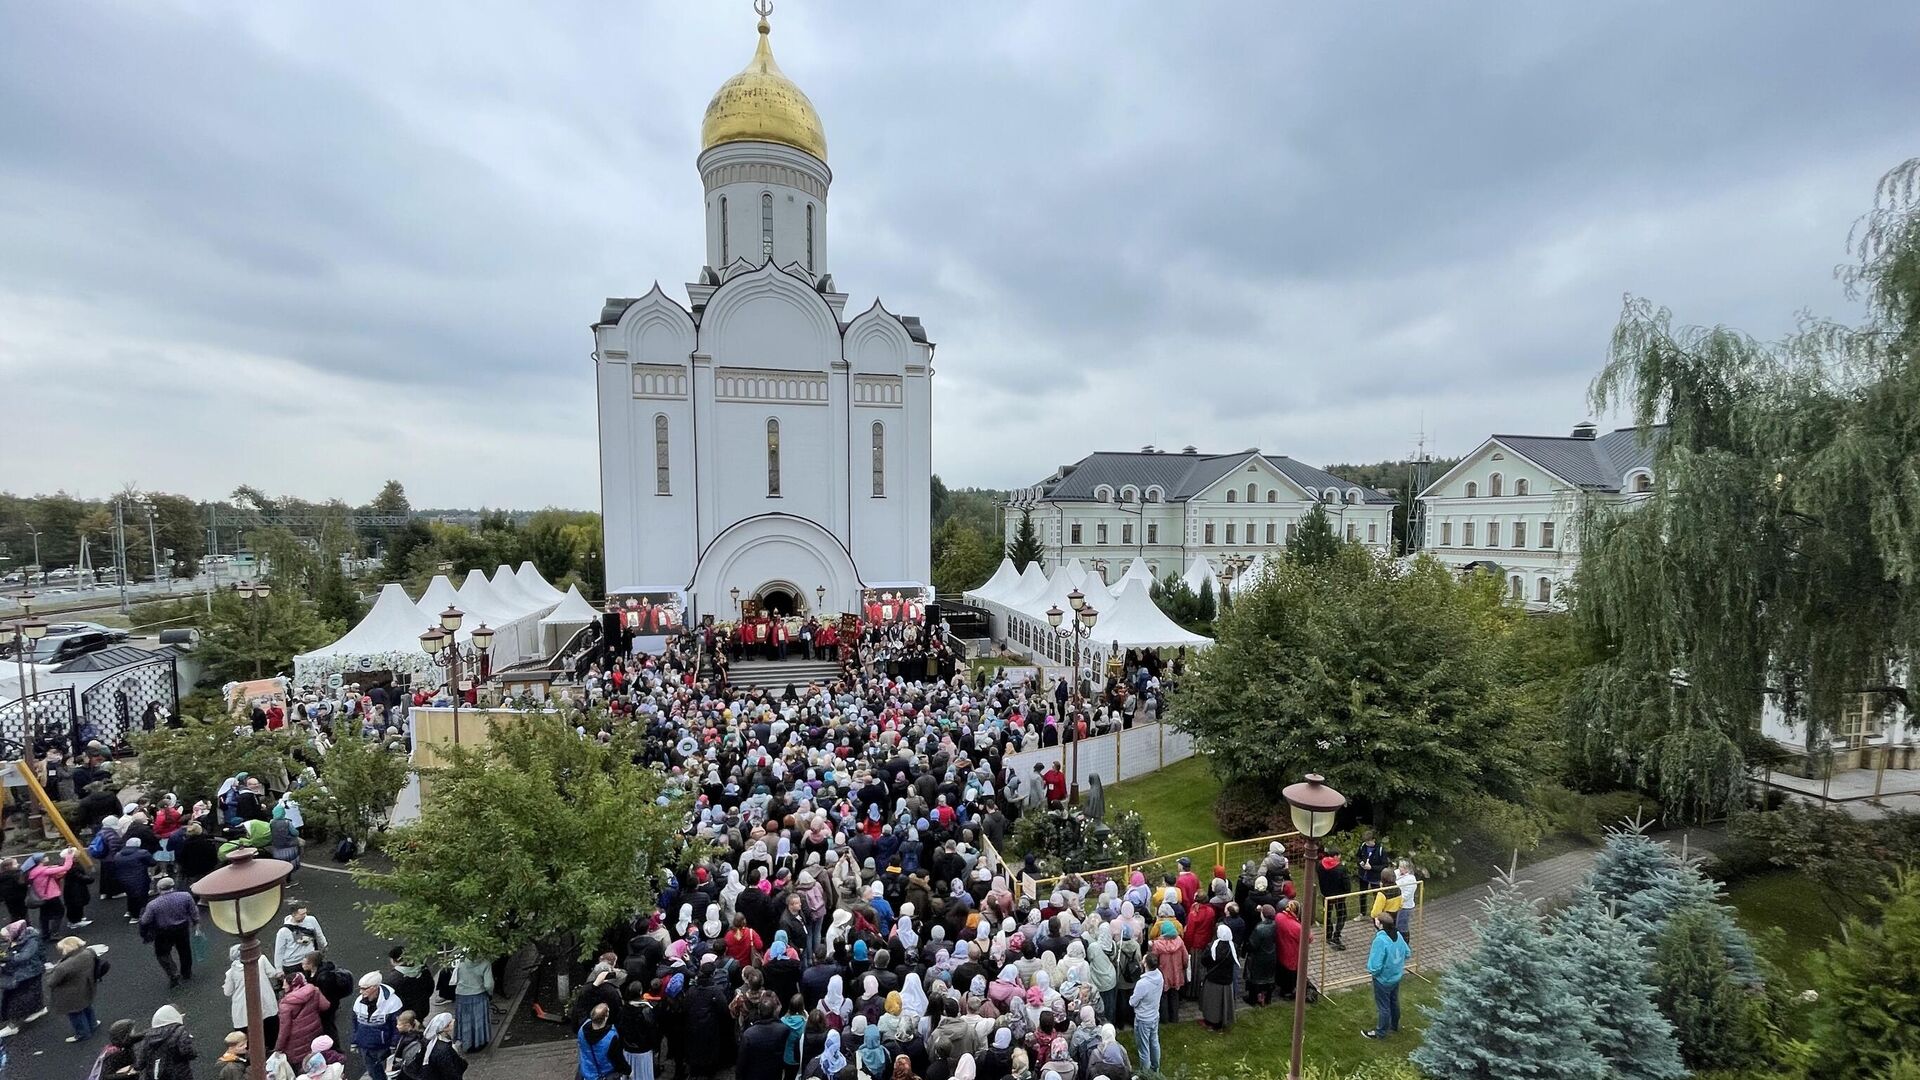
{"type": "Point", "coordinates": [1141, 749]}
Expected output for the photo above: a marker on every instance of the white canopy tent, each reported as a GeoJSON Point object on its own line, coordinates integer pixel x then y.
{"type": "Point", "coordinates": [386, 639]}
{"type": "Point", "coordinates": [570, 614]}
{"type": "Point", "coordinates": [1031, 584]}
{"type": "Point", "coordinates": [1200, 573]}
{"type": "Point", "coordinates": [1136, 622]}
{"type": "Point", "coordinates": [534, 585]}
{"type": "Point", "coordinates": [1004, 578]}
{"type": "Point", "coordinates": [508, 590]}
{"type": "Point", "coordinates": [1136, 571]}
{"type": "Point", "coordinates": [516, 633]}
{"type": "Point", "coordinates": [438, 597]}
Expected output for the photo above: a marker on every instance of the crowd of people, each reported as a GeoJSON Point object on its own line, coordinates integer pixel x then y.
{"type": "Point", "coordinates": [849, 917]}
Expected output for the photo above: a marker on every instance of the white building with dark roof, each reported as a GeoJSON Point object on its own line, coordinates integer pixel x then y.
{"type": "Point", "coordinates": [1512, 507]}
{"type": "Point", "coordinates": [1169, 509]}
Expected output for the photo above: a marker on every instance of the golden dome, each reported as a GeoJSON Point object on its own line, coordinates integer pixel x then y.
{"type": "Point", "coordinates": [761, 104]}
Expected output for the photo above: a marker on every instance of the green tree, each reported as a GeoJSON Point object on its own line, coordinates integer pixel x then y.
{"type": "Point", "coordinates": [1868, 1015]}
{"type": "Point", "coordinates": [1788, 475]}
{"type": "Point", "coordinates": [1655, 886]}
{"type": "Point", "coordinates": [1204, 607]}
{"type": "Point", "coordinates": [539, 833]}
{"type": "Point", "coordinates": [391, 500]}
{"type": "Point", "coordinates": [1509, 1011]}
{"type": "Point", "coordinates": [1609, 968]}
{"type": "Point", "coordinates": [1181, 604]}
{"type": "Point", "coordinates": [334, 600]}
{"type": "Point", "coordinates": [245, 639]}
{"type": "Point", "coordinates": [359, 781]}
{"type": "Point", "coordinates": [402, 544]}
{"type": "Point", "coordinates": [192, 760]}
{"type": "Point", "coordinates": [1386, 680]}
{"type": "Point", "coordinates": [962, 558]}
{"type": "Point", "coordinates": [1025, 547]}
{"type": "Point", "coordinates": [1697, 990]}
{"type": "Point", "coordinates": [1313, 542]}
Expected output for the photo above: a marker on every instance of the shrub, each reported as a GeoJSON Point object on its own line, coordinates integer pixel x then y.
{"type": "Point", "coordinates": [1242, 810]}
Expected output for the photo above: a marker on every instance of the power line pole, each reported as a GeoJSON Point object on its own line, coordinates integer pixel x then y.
{"type": "Point", "coordinates": [153, 544]}
{"type": "Point", "coordinates": [120, 550]}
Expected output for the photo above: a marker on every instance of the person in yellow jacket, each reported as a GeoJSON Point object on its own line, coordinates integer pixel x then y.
{"type": "Point", "coordinates": [1386, 902]}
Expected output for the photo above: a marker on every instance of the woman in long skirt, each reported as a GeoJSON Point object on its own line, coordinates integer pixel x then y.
{"type": "Point", "coordinates": [21, 999]}
{"type": "Point", "coordinates": [1216, 992]}
{"type": "Point", "coordinates": [472, 998]}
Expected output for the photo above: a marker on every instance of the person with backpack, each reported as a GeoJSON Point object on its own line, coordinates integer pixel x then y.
{"type": "Point", "coordinates": [335, 985]}
{"type": "Point", "coordinates": [409, 1046]}
{"type": "Point", "coordinates": [299, 936]}
{"type": "Point", "coordinates": [639, 1031]}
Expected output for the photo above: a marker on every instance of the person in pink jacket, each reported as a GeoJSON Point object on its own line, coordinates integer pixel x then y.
{"type": "Point", "coordinates": [46, 881]}
{"type": "Point", "coordinates": [300, 1009]}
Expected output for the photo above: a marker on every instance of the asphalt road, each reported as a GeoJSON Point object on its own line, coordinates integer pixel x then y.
{"type": "Point", "coordinates": [136, 986]}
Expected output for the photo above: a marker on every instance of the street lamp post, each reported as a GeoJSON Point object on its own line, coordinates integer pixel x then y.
{"type": "Point", "coordinates": [242, 898]}
{"type": "Point", "coordinates": [819, 598]}
{"type": "Point", "coordinates": [735, 593]}
{"type": "Point", "coordinates": [444, 638]}
{"type": "Point", "coordinates": [37, 568]}
{"type": "Point", "coordinates": [1080, 628]}
{"type": "Point", "coordinates": [26, 637]}
{"type": "Point", "coordinates": [1314, 806]}
{"type": "Point", "coordinates": [255, 594]}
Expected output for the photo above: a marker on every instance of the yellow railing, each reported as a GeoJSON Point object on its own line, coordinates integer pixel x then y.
{"type": "Point", "coordinates": [1349, 968]}
{"type": "Point", "coordinates": [1204, 857]}
{"type": "Point", "coordinates": [1254, 849]}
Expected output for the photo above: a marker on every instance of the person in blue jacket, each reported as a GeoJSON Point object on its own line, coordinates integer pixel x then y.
{"type": "Point", "coordinates": [597, 1040]}
{"type": "Point", "coordinates": [1387, 963]}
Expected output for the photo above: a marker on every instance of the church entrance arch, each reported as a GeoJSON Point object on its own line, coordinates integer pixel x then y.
{"type": "Point", "coordinates": [771, 554]}
{"type": "Point", "coordinates": [779, 598]}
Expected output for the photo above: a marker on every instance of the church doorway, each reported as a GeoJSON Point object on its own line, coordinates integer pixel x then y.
{"type": "Point", "coordinates": [777, 600]}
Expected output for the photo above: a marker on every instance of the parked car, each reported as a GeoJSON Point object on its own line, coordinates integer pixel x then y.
{"type": "Point", "coordinates": [59, 649]}
{"type": "Point", "coordinates": [61, 629]}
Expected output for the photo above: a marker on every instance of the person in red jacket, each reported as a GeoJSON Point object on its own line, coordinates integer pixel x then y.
{"type": "Point", "coordinates": [1056, 782]}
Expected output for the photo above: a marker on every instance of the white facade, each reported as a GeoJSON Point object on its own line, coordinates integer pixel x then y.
{"type": "Point", "coordinates": [1168, 509]}
{"type": "Point", "coordinates": [757, 437]}
{"type": "Point", "coordinates": [1512, 507]}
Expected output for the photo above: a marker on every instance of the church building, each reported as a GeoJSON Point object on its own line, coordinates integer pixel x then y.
{"type": "Point", "coordinates": [760, 441]}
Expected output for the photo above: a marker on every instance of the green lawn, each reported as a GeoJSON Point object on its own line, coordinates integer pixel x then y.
{"type": "Point", "coordinates": [1175, 802]}
{"type": "Point", "coordinates": [1784, 913]}
{"type": "Point", "coordinates": [1263, 1037]}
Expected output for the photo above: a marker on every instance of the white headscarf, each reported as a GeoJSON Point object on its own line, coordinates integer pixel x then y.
{"type": "Point", "coordinates": [835, 1000]}
{"type": "Point", "coordinates": [913, 997]}
{"type": "Point", "coordinates": [1222, 935]}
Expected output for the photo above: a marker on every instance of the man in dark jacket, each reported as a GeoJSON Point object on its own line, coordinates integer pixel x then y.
{"type": "Point", "coordinates": [762, 1052]}
{"type": "Point", "coordinates": [412, 983]}
{"type": "Point", "coordinates": [1334, 882]}
{"type": "Point", "coordinates": [168, 923]}
{"type": "Point", "coordinates": [131, 869]}
{"type": "Point", "coordinates": [711, 1049]}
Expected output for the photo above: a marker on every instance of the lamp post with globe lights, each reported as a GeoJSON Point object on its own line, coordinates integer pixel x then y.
{"type": "Point", "coordinates": [445, 639]}
{"type": "Point", "coordinates": [1314, 806]}
{"type": "Point", "coordinates": [255, 593]}
{"type": "Point", "coordinates": [1080, 628]}
{"type": "Point", "coordinates": [242, 898]}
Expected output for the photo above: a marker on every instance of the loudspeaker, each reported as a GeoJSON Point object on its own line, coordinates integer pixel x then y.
{"type": "Point", "coordinates": [933, 613]}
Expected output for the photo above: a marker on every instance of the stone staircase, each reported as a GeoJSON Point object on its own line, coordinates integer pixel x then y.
{"type": "Point", "coordinates": [777, 674]}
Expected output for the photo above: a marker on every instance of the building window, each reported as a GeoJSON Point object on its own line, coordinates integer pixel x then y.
{"type": "Point", "coordinates": [1153, 494]}
{"type": "Point", "coordinates": [1273, 496]}
{"type": "Point", "coordinates": [723, 233]}
{"type": "Point", "coordinates": [1519, 534]}
{"type": "Point", "coordinates": [766, 225]}
{"type": "Point", "coordinates": [1373, 532]}
{"type": "Point", "coordinates": [1473, 490]}
{"type": "Point", "coordinates": [1272, 530]}
{"type": "Point", "coordinates": [1446, 534]}
{"type": "Point", "coordinates": [1466, 534]}
{"type": "Point", "coordinates": [1513, 586]}
{"type": "Point", "coordinates": [1292, 531]}
{"type": "Point", "coordinates": [1209, 538]}
{"type": "Point", "coordinates": [1860, 719]}
{"type": "Point", "coordinates": [1076, 534]}
{"type": "Point", "coordinates": [809, 238]}
{"type": "Point", "coordinates": [1643, 483]}
{"type": "Point", "coordinates": [1250, 494]}
{"type": "Point", "coordinates": [1520, 486]}
{"type": "Point", "coordinates": [661, 475]}
{"type": "Point", "coordinates": [1493, 486]}
{"type": "Point", "coordinates": [1353, 531]}
{"type": "Point", "coordinates": [1229, 532]}
{"type": "Point", "coordinates": [1493, 533]}
{"type": "Point", "coordinates": [773, 457]}
{"type": "Point", "coordinates": [1153, 533]}
{"type": "Point", "coordinates": [1232, 495]}
{"type": "Point", "coordinates": [1543, 591]}
{"type": "Point", "coordinates": [1100, 533]}
{"type": "Point", "coordinates": [1546, 534]}
{"type": "Point", "coordinates": [1126, 532]}
{"type": "Point", "coordinates": [879, 459]}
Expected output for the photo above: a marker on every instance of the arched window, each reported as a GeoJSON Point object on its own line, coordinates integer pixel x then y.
{"type": "Point", "coordinates": [662, 477]}
{"type": "Point", "coordinates": [879, 459]}
{"type": "Point", "coordinates": [766, 225]}
{"type": "Point", "coordinates": [1473, 490]}
{"type": "Point", "coordinates": [1520, 486]}
{"type": "Point", "coordinates": [1250, 494]}
{"type": "Point", "coordinates": [1129, 494]}
{"type": "Point", "coordinates": [724, 260]}
{"type": "Point", "coordinates": [1232, 495]}
{"type": "Point", "coordinates": [773, 456]}
{"type": "Point", "coordinates": [1513, 583]}
{"type": "Point", "coordinates": [1353, 495]}
{"type": "Point", "coordinates": [1332, 495]}
{"type": "Point", "coordinates": [1544, 591]}
{"type": "Point", "coordinates": [1153, 494]}
{"type": "Point", "coordinates": [809, 238]}
{"type": "Point", "coordinates": [1272, 495]}
{"type": "Point", "coordinates": [1643, 482]}
{"type": "Point", "coordinates": [1493, 486]}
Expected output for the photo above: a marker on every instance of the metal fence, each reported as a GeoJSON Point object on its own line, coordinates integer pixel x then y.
{"type": "Point", "coordinates": [49, 714]}
{"type": "Point", "coordinates": [1204, 858]}
{"type": "Point", "coordinates": [112, 708]}
{"type": "Point", "coordinates": [1340, 968]}
{"type": "Point", "coordinates": [1254, 849]}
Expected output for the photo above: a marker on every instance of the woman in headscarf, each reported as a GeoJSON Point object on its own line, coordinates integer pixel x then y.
{"type": "Point", "coordinates": [1170, 956]}
{"type": "Point", "coordinates": [913, 997]}
{"type": "Point", "coordinates": [440, 1061]}
{"type": "Point", "coordinates": [21, 997]}
{"type": "Point", "coordinates": [872, 1003]}
{"type": "Point", "coordinates": [116, 1058]}
{"type": "Point", "coordinates": [1109, 1058]}
{"type": "Point", "coordinates": [831, 1064]}
{"type": "Point", "coordinates": [835, 1006]}
{"type": "Point", "coordinates": [1101, 971]}
{"type": "Point", "coordinates": [235, 987]}
{"type": "Point", "coordinates": [1222, 962]}
{"type": "Point", "coordinates": [166, 1051]}
{"type": "Point", "coordinates": [1262, 957]}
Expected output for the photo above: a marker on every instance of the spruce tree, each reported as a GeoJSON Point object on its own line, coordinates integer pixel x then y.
{"type": "Point", "coordinates": [1025, 547]}
{"type": "Point", "coordinates": [1509, 1011]}
{"type": "Point", "coordinates": [1610, 967]}
{"type": "Point", "coordinates": [1712, 1012]}
{"type": "Point", "coordinates": [1314, 541]}
{"type": "Point", "coordinates": [1652, 884]}
{"type": "Point", "coordinates": [1868, 1017]}
{"type": "Point", "coordinates": [1205, 610]}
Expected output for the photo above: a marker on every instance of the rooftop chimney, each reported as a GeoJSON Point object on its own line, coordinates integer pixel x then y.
{"type": "Point", "coordinates": [1189, 450]}
{"type": "Point", "coordinates": [1585, 429]}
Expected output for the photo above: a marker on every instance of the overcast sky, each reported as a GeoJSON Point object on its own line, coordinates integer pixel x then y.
{"type": "Point", "coordinates": [310, 246]}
